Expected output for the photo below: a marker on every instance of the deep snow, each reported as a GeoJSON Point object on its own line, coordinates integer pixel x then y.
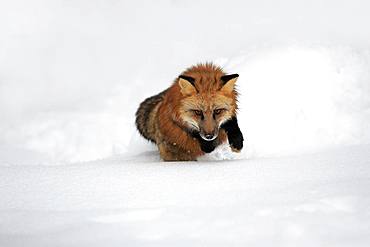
{"type": "Point", "coordinates": [75, 172]}
{"type": "Point", "coordinates": [319, 199]}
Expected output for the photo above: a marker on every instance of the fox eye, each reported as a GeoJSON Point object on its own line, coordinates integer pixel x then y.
{"type": "Point", "coordinates": [198, 112]}
{"type": "Point", "coordinates": [218, 111]}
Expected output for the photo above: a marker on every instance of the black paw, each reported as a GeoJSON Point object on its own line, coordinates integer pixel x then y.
{"type": "Point", "coordinates": [234, 134]}
{"type": "Point", "coordinates": [236, 141]}
{"type": "Point", "coordinates": [207, 146]}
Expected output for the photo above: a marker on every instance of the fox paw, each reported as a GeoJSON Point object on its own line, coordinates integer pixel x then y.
{"type": "Point", "coordinates": [207, 146]}
{"type": "Point", "coordinates": [236, 142]}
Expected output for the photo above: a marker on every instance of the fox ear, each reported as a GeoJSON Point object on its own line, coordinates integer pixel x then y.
{"type": "Point", "coordinates": [228, 82]}
{"type": "Point", "coordinates": [186, 84]}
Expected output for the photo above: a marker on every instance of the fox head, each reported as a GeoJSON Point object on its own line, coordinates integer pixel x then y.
{"type": "Point", "coordinates": [207, 102]}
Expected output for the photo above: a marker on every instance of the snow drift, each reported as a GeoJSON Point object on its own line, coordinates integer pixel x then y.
{"type": "Point", "coordinates": [75, 172]}
{"type": "Point", "coordinates": [72, 74]}
{"type": "Point", "coordinates": [293, 99]}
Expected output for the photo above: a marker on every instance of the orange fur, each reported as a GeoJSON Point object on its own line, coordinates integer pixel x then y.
{"type": "Point", "coordinates": [172, 118]}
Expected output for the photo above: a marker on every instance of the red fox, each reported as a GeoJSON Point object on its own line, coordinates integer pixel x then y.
{"type": "Point", "coordinates": [193, 116]}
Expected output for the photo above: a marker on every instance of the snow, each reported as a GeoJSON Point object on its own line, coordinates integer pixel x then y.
{"type": "Point", "coordinates": [75, 172]}
{"type": "Point", "coordinates": [319, 199]}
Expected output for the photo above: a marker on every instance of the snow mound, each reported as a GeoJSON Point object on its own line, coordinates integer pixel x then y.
{"type": "Point", "coordinates": [293, 99]}
{"type": "Point", "coordinates": [303, 98]}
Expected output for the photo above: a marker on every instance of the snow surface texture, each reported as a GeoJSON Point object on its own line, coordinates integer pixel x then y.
{"type": "Point", "coordinates": [320, 199]}
{"type": "Point", "coordinates": [75, 172]}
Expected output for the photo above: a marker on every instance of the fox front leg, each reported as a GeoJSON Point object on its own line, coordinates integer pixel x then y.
{"type": "Point", "coordinates": [205, 146]}
{"type": "Point", "coordinates": [234, 134]}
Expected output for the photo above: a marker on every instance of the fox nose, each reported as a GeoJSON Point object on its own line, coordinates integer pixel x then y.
{"type": "Point", "coordinates": [208, 136]}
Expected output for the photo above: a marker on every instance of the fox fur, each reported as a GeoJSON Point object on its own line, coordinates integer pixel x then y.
{"type": "Point", "coordinates": [194, 115]}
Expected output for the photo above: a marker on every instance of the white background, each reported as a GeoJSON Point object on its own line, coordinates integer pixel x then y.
{"type": "Point", "coordinates": [74, 170]}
